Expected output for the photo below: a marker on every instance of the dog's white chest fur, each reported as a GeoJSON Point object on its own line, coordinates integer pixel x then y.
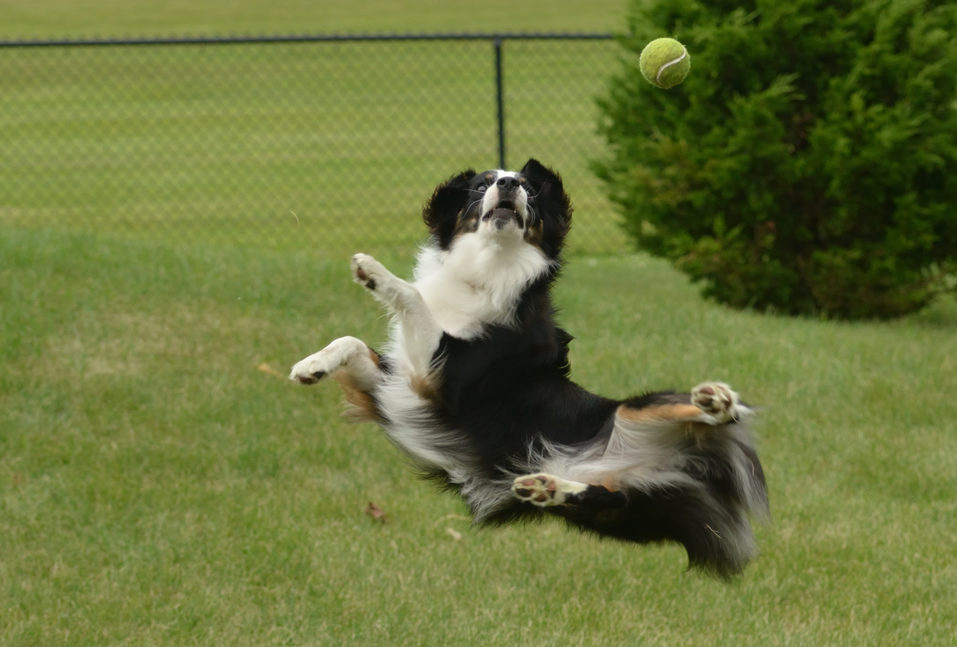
{"type": "Point", "coordinates": [477, 282]}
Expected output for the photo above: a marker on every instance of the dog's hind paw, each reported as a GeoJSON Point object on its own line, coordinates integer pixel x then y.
{"type": "Point", "coordinates": [719, 401]}
{"type": "Point", "coordinates": [545, 490]}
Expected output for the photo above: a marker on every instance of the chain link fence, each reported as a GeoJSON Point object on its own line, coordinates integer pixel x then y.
{"type": "Point", "coordinates": [292, 142]}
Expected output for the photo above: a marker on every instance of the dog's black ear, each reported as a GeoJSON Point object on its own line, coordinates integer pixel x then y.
{"type": "Point", "coordinates": [442, 211]}
{"type": "Point", "coordinates": [551, 203]}
{"type": "Point", "coordinates": [547, 187]}
{"type": "Point", "coordinates": [536, 173]}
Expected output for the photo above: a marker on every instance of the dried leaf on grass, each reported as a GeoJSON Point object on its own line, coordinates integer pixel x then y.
{"type": "Point", "coordinates": [269, 370]}
{"type": "Point", "coordinates": [374, 511]}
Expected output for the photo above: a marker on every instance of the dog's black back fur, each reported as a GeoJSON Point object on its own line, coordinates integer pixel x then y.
{"type": "Point", "coordinates": [509, 392]}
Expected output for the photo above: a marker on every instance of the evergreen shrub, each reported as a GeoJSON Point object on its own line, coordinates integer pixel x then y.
{"type": "Point", "coordinates": [808, 164]}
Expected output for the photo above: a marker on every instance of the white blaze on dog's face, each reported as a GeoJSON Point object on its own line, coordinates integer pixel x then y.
{"type": "Point", "coordinates": [504, 201]}
{"type": "Point", "coordinates": [492, 235]}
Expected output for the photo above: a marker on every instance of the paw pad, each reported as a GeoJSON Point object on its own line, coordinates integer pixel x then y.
{"type": "Point", "coordinates": [716, 399]}
{"type": "Point", "coordinates": [544, 490]}
{"type": "Point", "coordinates": [362, 270]}
{"type": "Point", "coordinates": [536, 489]}
{"type": "Point", "coordinates": [308, 378]}
{"type": "Point", "coordinates": [362, 276]}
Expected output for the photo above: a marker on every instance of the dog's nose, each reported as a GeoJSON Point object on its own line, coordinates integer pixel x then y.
{"type": "Point", "coordinates": [507, 183]}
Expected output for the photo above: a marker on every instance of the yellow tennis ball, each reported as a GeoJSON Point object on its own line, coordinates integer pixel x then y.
{"type": "Point", "coordinates": [664, 62]}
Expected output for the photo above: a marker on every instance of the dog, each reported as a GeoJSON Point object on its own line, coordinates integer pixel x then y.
{"type": "Point", "coordinates": [474, 387]}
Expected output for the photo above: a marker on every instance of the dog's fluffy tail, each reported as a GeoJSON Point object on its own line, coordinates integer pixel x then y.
{"type": "Point", "coordinates": [698, 485]}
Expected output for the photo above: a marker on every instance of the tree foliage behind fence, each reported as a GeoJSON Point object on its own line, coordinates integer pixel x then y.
{"type": "Point", "coordinates": [290, 142]}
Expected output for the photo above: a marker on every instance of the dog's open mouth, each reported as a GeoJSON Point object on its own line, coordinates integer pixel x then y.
{"type": "Point", "coordinates": [503, 214]}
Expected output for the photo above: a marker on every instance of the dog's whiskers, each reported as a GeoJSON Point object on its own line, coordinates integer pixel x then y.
{"type": "Point", "coordinates": [471, 204]}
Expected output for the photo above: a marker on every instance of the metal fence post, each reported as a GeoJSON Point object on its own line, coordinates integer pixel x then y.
{"type": "Point", "coordinates": [500, 99]}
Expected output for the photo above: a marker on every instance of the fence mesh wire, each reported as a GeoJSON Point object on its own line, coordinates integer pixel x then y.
{"type": "Point", "coordinates": [291, 144]}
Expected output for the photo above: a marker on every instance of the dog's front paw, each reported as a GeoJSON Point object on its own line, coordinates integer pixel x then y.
{"type": "Point", "coordinates": [545, 490]}
{"type": "Point", "coordinates": [311, 369]}
{"type": "Point", "coordinates": [719, 401]}
{"type": "Point", "coordinates": [367, 271]}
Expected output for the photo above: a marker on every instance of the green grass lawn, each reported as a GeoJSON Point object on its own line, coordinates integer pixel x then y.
{"type": "Point", "coordinates": [161, 486]}
{"type": "Point", "coordinates": [166, 258]}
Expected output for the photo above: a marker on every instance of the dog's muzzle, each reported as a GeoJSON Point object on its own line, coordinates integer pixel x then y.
{"type": "Point", "coordinates": [506, 195]}
{"type": "Point", "coordinates": [504, 214]}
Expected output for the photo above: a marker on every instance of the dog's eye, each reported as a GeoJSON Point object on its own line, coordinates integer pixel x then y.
{"type": "Point", "coordinates": [486, 183]}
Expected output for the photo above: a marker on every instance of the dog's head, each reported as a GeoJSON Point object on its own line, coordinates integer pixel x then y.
{"type": "Point", "coordinates": [528, 205]}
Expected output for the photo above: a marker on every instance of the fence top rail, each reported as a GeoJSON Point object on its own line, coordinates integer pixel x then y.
{"type": "Point", "coordinates": [293, 38]}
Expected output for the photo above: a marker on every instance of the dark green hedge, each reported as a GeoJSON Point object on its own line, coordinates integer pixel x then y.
{"type": "Point", "coordinates": [809, 162]}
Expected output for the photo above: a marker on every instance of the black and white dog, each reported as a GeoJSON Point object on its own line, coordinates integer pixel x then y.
{"type": "Point", "coordinates": [474, 386]}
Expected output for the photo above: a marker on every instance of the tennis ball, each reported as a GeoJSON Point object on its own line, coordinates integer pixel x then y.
{"type": "Point", "coordinates": [664, 62]}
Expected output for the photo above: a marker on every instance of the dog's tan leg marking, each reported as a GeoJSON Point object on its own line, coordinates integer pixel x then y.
{"type": "Point", "coordinates": [363, 404]}
{"type": "Point", "coordinates": [425, 386]}
{"type": "Point", "coordinates": [611, 482]}
{"type": "Point", "coordinates": [660, 413]}
{"type": "Point", "coordinates": [364, 407]}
